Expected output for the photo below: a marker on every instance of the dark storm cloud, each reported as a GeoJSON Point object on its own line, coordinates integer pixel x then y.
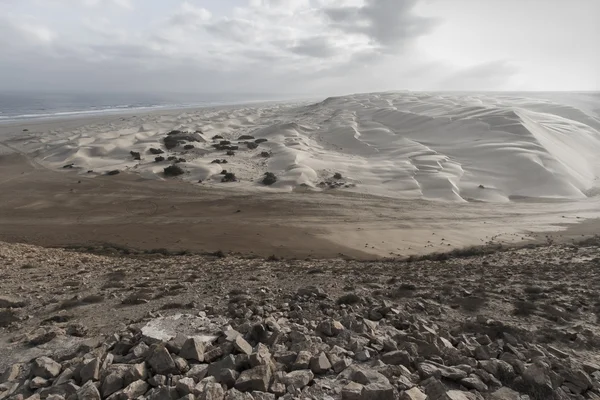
{"type": "Point", "coordinates": [390, 23]}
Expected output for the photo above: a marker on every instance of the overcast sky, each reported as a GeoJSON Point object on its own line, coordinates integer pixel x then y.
{"type": "Point", "coordinates": [299, 46]}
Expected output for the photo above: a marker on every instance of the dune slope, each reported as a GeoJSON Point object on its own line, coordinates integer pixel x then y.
{"type": "Point", "coordinates": [451, 147]}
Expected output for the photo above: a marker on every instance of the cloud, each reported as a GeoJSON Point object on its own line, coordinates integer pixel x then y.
{"type": "Point", "coordinates": [299, 46]}
{"type": "Point", "coordinates": [389, 23]}
{"type": "Point", "coordinates": [126, 4]}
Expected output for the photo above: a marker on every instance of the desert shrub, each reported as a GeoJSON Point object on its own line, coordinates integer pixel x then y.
{"type": "Point", "coordinates": [246, 137]}
{"type": "Point", "coordinates": [269, 179]}
{"type": "Point", "coordinates": [224, 142]}
{"type": "Point", "coordinates": [216, 137]}
{"type": "Point", "coordinates": [136, 155]}
{"type": "Point", "coordinates": [188, 147]}
{"type": "Point", "coordinates": [265, 154]}
{"type": "Point", "coordinates": [173, 170]}
{"type": "Point", "coordinates": [156, 151]}
{"type": "Point", "coordinates": [252, 145]}
{"type": "Point", "coordinates": [337, 175]}
{"type": "Point", "coordinates": [258, 141]}
{"type": "Point", "coordinates": [113, 172]}
{"type": "Point", "coordinates": [231, 153]}
{"type": "Point", "coordinates": [159, 159]}
{"type": "Point", "coordinates": [171, 158]}
{"type": "Point", "coordinates": [229, 177]}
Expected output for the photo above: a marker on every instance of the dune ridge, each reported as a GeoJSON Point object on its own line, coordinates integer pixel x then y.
{"type": "Point", "coordinates": [433, 146]}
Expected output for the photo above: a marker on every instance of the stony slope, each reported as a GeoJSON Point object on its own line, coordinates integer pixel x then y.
{"type": "Point", "coordinates": [510, 325]}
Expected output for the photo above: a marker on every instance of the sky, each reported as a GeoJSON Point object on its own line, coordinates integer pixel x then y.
{"type": "Point", "coordinates": [321, 47]}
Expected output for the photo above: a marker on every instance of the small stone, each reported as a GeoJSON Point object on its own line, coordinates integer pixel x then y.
{"type": "Point", "coordinates": [89, 391]}
{"type": "Point", "coordinates": [90, 371]}
{"type": "Point", "coordinates": [242, 345]}
{"type": "Point", "coordinates": [473, 382]}
{"type": "Point", "coordinates": [263, 396]}
{"type": "Point", "coordinates": [193, 349]}
{"type": "Point", "coordinates": [181, 364]}
{"type": "Point", "coordinates": [234, 394]}
{"type": "Point", "coordinates": [212, 391]}
{"type": "Point", "coordinates": [302, 360]}
{"type": "Point", "coordinates": [45, 367]}
{"type": "Point", "coordinates": [136, 389]}
{"type": "Point", "coordinates": [413, 394]}
{"type": "Point", "coordinates": [330, 328]}
{"type": "Point", "coordinates": [38, 383]}
{"type": "Point", "coordinates": [257, 378]}
{"type": "Point", "coordinates": [399, 357]}
{"type": "Point", "coordinates": [278, 389]}
{"type": "Point", "coordinates": [505, 393]}
{"type": "Point", "coordinates": [158, 380]}
{"type": "Point", "coordinates": [161, 361]}
{"type": "Point", "coordinates": [378, 391]}
{"type": "Point", "coordinates": [197, 372]}
{"type": "Point", "coordinates": [363, 355]}
{"type": "Point", "coordinates": [298, 379]}
{"type": "Point", "coordinates": [352, 391]}
{"type": "Point", "coordinates": [228, 377]}
{"type": "Point", "coordinates": [320, 364]}
{"type": "Point", "coordinates": [141, 350]}
{"type": "Point", "coordinates": [185, 386]}
{"type": "Point", "coordinates": [11, 373]}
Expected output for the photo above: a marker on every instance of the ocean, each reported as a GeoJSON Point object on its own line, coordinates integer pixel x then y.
{"type": "Point", "coordinates": [18, 106]}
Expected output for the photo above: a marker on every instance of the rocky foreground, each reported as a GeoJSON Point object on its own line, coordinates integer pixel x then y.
{"type": "Point", "coordinates": [513, 325]}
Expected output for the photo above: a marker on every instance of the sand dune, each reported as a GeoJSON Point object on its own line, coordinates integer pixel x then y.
{"type": "Point", "coordinates": [449, 147]}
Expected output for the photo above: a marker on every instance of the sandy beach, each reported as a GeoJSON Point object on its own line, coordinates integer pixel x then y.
{"type": "Point", "coordinates": [307, 212]}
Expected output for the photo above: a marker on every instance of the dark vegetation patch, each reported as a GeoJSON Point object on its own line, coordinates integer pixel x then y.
{"type": "Point", "coordinates": [136, 155]}
{"type": "Point", "coordinates": [173, 170]}
{"type": "Point", "coordinates": [229, 177]}
{"type": "Point", "coordinates": [156, 151]}
{"type": "Point", "coordinates": [269, 179]}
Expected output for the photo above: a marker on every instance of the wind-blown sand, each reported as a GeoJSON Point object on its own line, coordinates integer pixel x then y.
{"type": "Point", "coordinates": [416, 168]}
